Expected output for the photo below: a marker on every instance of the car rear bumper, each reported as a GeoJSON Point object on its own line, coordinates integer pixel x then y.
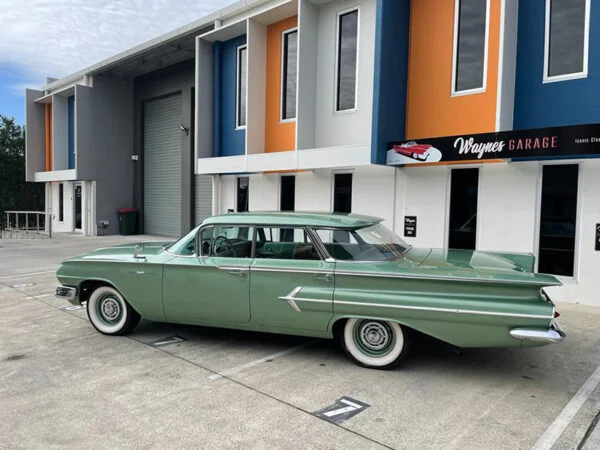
{"type": "Point", "coordinates": [552, 335]}
{"type": "Point", "coordinates": [66, 293]}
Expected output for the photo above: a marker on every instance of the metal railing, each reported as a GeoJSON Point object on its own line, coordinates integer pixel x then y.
{"type": "Point", "coordinates": [29, 222]}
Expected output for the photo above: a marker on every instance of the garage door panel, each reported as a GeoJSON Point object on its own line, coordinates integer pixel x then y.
{"type": "Point", "coordinates": [163, 160]}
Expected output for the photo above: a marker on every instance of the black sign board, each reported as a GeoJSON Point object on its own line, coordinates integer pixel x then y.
{"type": "Point", "coordinates": [597, 240]}
{"type": "Point", "coordinates": [410, 226]}
{"type": "Point", "coordinates": [571, 141]}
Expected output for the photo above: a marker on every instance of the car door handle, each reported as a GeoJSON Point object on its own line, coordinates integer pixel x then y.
{"type": "Point", "coordinates": [324, 276]}
{"type": "Point", "coordinates": [235, 271]}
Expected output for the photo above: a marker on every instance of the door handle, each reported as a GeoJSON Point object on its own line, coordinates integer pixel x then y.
{"type": "Point", "coordinates": [240, 272]}
{"type": "Point", "coordinates": [324, 276]}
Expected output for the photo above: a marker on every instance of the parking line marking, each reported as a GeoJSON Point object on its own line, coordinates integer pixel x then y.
{"type": "Point", "coordinates": [33, 297]}
{"type": "Point", "coordinates": [25, 274]}
{"type": "Point", "coordinates": [256, 362]}
{"type": "Point", "coordinates": [556, 429]}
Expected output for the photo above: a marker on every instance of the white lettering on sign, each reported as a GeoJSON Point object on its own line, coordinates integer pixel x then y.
{"type": "Point", "coordinates": [479, 148]}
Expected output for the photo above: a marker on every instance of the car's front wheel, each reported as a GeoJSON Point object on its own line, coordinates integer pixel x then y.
{"type": "Point", "coordinates": [374, 343]}
{"type": "Point", "coordinates": [109, 313]}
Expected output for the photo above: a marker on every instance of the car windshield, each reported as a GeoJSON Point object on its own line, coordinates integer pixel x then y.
{"type": "Point", "coordinates": [373, 243]}
{"type": "Point", "coordinates": [186, 246]}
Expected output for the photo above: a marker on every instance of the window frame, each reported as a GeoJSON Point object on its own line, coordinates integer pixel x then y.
{"type": "Point", "coordinates": [483, 88]}
{"type": "Point", "coordinates": [308, 232]}
{"type": "Point", "coordinates": [214, 225]}
{"type": "Point", "coordinates": [283, 75]}
{"type": "Point", "coordinates": [586, 47]}
{"type": "Point", "coordinates": [238, 80]}
{"type": "Point", "coordinates": [336, 77]}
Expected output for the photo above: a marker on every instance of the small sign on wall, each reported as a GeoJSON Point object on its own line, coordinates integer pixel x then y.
{"type": "Point", "coordinates": [410, 226]}
{"type": "Point", "coordinates": [597, 240]}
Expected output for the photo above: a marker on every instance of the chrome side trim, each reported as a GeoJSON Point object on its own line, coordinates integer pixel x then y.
{"type": "Point", "coordinates": [292, 299]}
{"type": "Point", "coordinates": [550, 336]}
{"type": "Point", "coordinates": [440, 278]}
{"type": "Point", "coordinates": [65, 292]}
{"type": "Point", "coordinates": [445, 310]}
{"type": "Point", "coordinates": [244, 268]}
{"type": "Point", "coordinates": [315, 271]}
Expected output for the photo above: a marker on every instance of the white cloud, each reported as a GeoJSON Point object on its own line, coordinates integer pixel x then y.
{"type": "Point", "coordinates": [56, 38]}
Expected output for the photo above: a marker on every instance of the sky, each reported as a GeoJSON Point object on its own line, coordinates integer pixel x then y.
{"type": "Point", "coordinates": [40, 38]}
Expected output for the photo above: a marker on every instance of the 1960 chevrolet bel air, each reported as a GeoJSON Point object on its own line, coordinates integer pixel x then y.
{"type": "Point", "coordinates": [321, 275]}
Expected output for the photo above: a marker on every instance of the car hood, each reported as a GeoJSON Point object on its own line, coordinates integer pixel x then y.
{"type": "Point", "coordinates": [124, 252]}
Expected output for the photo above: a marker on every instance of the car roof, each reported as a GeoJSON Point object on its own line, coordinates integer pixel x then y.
{"type": "Point", "coordinates": [295, 218]}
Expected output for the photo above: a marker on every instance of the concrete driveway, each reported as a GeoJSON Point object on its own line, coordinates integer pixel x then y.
{"type": "Point", "coordinates": [62, 384]}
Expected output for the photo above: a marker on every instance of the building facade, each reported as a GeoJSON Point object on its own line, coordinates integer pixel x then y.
{"type": "Point", "coordinates": [463, 123]}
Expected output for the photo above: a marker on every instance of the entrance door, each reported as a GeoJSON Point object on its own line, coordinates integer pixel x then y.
{"type": "Point", "coordinates": [290, 285]}
{"type": "Point", "coordinates": [77, 188]}
{"type": "Point", "coordinates": [464, 188]}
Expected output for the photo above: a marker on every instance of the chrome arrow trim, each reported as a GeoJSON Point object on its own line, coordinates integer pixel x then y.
{"type": "Point", "coordinates": [292, 299]}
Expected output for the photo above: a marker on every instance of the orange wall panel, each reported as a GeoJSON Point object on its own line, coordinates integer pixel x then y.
{"type": "Point", "coordinates": [431, 109]}
{"type": "Point", "coordinates": [279, 136]}
{"type": "Point", "coordinates": [48, 133]}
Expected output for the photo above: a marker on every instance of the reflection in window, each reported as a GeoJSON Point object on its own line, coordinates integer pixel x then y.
{"type": "Point", "coordinates": [289, 82]}
{"type": "Point", "coordinates": [285, 243]}
{"type": "Point", "coordinates": [470, 45]}
{"type": "Point", "coordinates": [566, 36]}
{"type": "Point", "coordinates": [558, 219]}
{"type": "Point", "coordinates": [346, 60]}
{"type": "Point", "coordinates": [241, 86]}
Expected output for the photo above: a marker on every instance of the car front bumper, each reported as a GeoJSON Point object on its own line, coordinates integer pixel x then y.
{"type": "Point", "coordinates": [552, 335]}
{"type": "Point", "coordinates": [67, 293]}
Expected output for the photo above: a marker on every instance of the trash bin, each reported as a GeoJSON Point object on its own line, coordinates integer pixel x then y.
{"type": "Point", "coordinates": [128, 221]}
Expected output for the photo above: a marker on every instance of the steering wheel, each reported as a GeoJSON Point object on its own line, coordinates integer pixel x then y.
{"type": "Point", "coordinates": [222, 247]}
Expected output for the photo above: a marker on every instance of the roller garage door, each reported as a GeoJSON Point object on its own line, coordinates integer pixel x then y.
{"type": "Point", "coordinates": [163, 158]}
{"type": "Point", "coordinates": [203, 198]}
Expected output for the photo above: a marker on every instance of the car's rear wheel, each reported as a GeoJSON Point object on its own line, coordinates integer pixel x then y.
{"type": "Point", "coordinates": [109, 313]}
{"type": "Point", "coordinates": [374, 343]}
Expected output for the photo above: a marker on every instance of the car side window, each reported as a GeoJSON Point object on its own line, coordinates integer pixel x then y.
{"type": "Point", "coordinates": [226, 241]}
{"type": "Point", "coordinates": [285, 243]}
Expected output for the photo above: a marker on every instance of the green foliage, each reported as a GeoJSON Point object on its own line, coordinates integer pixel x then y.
{"type": "Point", "coordinates": [15, 193]}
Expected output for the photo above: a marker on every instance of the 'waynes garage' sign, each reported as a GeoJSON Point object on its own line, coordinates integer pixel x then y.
{"type": "Point", "coordinates": [574, 141]}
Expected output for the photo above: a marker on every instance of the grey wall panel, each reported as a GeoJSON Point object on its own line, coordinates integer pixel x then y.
{"type": "Point", "coordinates": [204, 99]}
{"type": "Point", "coordinates": [202, 198]}
{"type": "Point", "coordinates": [163, 162]}
{"type": "Point", "coordinates": [35, 138]}
{"type": "Point", "coordinates": [104, 145]}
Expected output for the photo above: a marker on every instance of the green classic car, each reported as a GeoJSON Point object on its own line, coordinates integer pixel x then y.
{"type": "Point", "coordinates": [321, 275]}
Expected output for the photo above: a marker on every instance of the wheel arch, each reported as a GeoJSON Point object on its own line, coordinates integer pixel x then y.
{"type": "Point", "coordinates": [87, 286]}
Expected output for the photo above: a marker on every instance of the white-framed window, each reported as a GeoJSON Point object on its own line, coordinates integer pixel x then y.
{"type": "Point", "coordinates": [241, 87]}
{"type": "Point", "coordinates": [346, 60]}
{"type": "Point", "coordinates": [289, 74]}
{"type": "Point", "coordinates": [566, 41]}
{"type": "Point", "coordinates": [470, 52]}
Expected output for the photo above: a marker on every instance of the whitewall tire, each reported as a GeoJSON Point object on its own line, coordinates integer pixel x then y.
{"type": "Point", "coordinates": [375, 344]}
{"type": "Point", "coordinates": [109, 313]}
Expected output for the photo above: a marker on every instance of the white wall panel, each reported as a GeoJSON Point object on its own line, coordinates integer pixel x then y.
{"type": "Point", "coordinates": [313, 191]}
{"type": "Point", "coordinates": [373, 192]}
{"type": "Point", "coordinates": [344, 128]}
{"type": "Point", "coordinates": [228, 186]}
{"type": "Point", "coordinates": [507, 206]}
{"type": "Point", "coordinates": [264, 192]}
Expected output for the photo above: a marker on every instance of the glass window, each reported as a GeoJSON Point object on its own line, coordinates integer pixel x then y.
{"type": "Point", "coordinates": [470, 43]}
{"type": "Point", "coordinates": [558, 219]}
{"type": "Point", "coordinates": [242, 194]}
{"type": "Point", "coordinates": [287, 198]}
{"type": "Point", "coordinates": [186, 246]}
{"type": "Point", "coordinates": [285, 243]}
{"type": "Point", "coordinates": [226, 241]}
{"type": "Point", "coordinates": [373, 243]}
{"type": "Point", "coordinates": [61, 202]}
{"type": "Point", "coordinates": [241, 86]}
{"type": "Point", "coordinates": [347, 51]}
{"type": "Point", "coordinates": [290, 79]}
{"type": "Point", "coordinates": [566, 37]}
{"type": "Point", "coordinates": [342, 193]}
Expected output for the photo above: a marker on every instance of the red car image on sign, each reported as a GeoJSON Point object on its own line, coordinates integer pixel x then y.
{"type": "Point", "coordinates": [413, 150]}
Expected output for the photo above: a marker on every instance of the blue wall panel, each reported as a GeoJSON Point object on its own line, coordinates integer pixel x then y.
{"type": "Point", "coordinates": [228, 141]}
{"type": "Point", "coordinates": [559, 103]}
{"type": "Point", "coordinates": [71, 131]}
{"type": "Point", "coordinates": [391, 75]}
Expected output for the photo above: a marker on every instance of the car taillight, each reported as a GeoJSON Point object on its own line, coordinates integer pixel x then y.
{"type": "Point", "coordinates": [556, 314]}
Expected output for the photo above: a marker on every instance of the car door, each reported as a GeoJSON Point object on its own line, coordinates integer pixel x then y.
{"type": "Point", "coordinates": [291, 286]}
{"type": "Point", "coordinates": [212, 287]}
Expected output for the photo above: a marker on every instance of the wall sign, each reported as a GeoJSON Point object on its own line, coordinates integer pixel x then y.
{"type": "Point", "coordinates": [572, 141]}
{"type": "Point", "coordinates": [597, 240]}
{"type": "Point", "coordinates": [410, 226]}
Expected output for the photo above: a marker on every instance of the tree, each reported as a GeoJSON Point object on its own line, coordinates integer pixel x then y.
{"type": "Point", "coordinates": [15, 193]}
